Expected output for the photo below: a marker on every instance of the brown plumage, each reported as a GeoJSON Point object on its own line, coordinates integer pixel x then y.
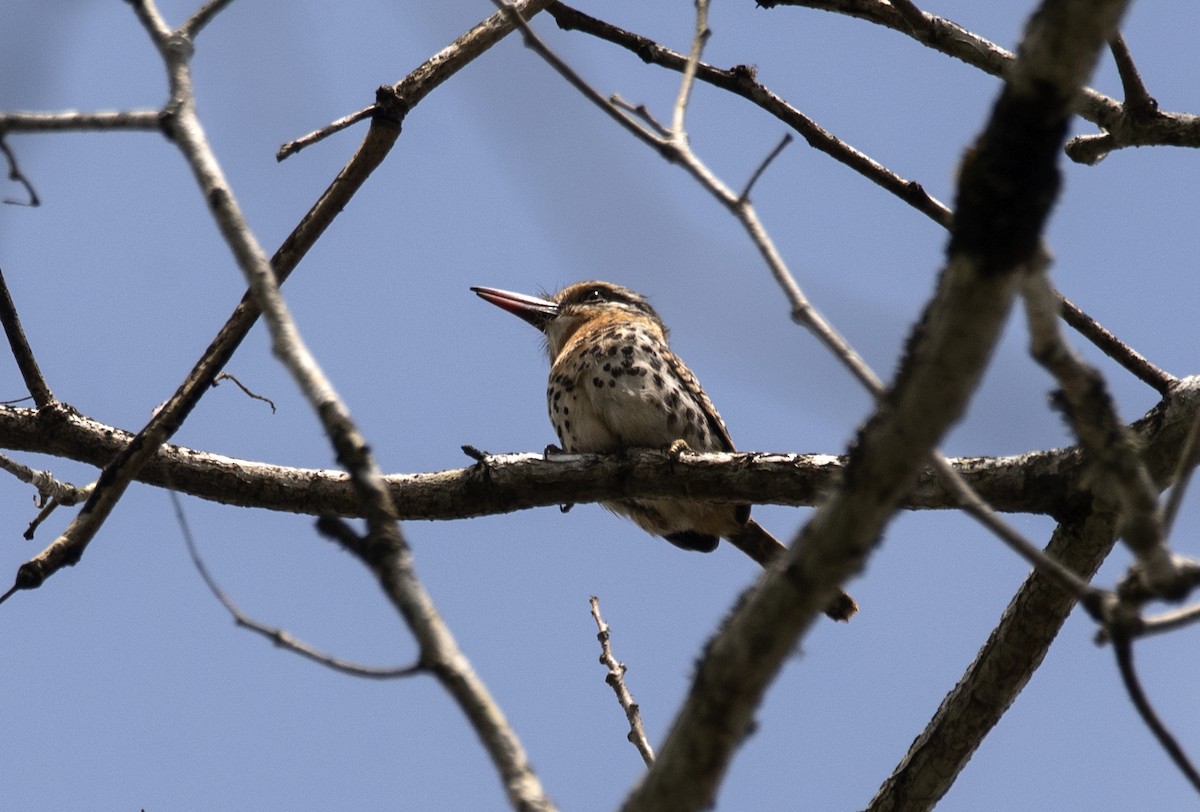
{"type": "Point", "coordinates": [614, 384]}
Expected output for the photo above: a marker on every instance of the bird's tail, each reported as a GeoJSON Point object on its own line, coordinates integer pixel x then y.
{"type": "Point", "coordinates": [760, 545]}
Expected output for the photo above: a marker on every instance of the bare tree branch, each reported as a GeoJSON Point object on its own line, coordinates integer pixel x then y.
{"type": "Point", "coordinates": [279, 637]}
{"type": "Point", "coordinates": [391, 106]}
{"type": "Point", "coordinates": [1005, 664]}
{"type": "Point", "coordinates": [1123, 649]}
{"type": "Point", "coordinates": [1188, 459]}
{"type": "Point", "coordinates": [1116, 349]}
{"type": "Point", "coordinates": [203, 16]}
{"type": "Point", "coordinates": [1042, 482]}
{"type": "Point", "coordinates": [1112, 451]}
{"type": "Point", "coordinates": [73, 120]}
{"type": "Point", "coordinates": [742, 81]}
{"type": "Point", "coordinates": [616, 681]}
{"type": "Point", "coordinates": [425, 78]}
{"type": "Point", "coordinates": [17, 176]}
{"type": "Point", "coordinates": [35, 382]}
{"type": "Point", "coordinates": [387, 555]}
{"type": "Point", "coordinates": [944, 360]}
{"type": "Point", "coordinates": [1138, 100]}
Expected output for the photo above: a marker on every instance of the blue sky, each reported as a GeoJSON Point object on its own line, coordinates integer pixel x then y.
{"type": "Point", "coordinates": [128, 687]}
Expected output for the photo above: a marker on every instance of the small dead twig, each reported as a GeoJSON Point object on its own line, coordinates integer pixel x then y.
{"type": "Point", "coordinates": [242, 386]}
{"type": "Point", "coordinates": [1138, 101]}
{"type": "Point", "coordinates": [1123, 649]}
{"type": "Point", "coordinates": [279, 637]}
{"type": "Point", "coordinates": [616, 681]}
{"type": "Point", "coordinates": [51, 492]}
{"type": "Point", "coordinates": [290, 148]}
{"type": "Point", "coordinates": [1132, 361]}
{"type": "Point", "coordinates": [15, 174]}
{"type": "Point", "coordinates": [762, 167]}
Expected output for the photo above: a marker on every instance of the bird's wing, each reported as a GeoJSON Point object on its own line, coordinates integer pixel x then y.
{"type": "Point", "coordinates": [721, 438]}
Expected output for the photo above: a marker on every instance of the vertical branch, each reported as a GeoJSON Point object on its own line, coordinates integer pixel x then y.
{"type": "Point", "coordinates": [616, 681]}
{"type": "Point", "coordinates": [679, 133]}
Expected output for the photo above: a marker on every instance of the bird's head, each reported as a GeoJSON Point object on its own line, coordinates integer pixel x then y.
{"type": "Point", "coordinates": [561, 315]}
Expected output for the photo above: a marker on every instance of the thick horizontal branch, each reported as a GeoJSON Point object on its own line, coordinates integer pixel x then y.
{"type": "Point", "coordinates": [1042, 482]}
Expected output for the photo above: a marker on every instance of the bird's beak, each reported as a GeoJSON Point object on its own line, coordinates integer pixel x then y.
{"type": "Point", "coordinates": [538, 312]}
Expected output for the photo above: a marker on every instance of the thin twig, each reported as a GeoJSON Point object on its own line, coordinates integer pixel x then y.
{"type": "Point", "coordinates": [278, 636]}
{"type": "Point", "coordinates": [407, 93]}
{"type": "Point", "coordinates": [290, 148]}
{"type": "Point", "coordinates": [616, 681]}
{"type": "Point", "coordinates": [1132, 361]}
{"type": "Point", "coordinates": [1111, 449]}
{"type": "Point", "coordinates": [152, 20]}
{"type": "Point", "coordinates": [762, 167]}
{"type": "Point", "coordinates": [203, 16]}
{"type": "Point", "coordinates": [1188, 458]}
{"type": "Point", "coordinates": [48, 487]}
{"type": "Point", "coordinates": [975, 506]}
{"type": "Point", "coordinates": [15, 174]}
{"type": "Point", "coordinates": [226, 376]}
{"type": "Point", "coordinates": [51, 492]}
{"type": "Point", "coordinates": [1123, 649]}
{"type": "Point", "coordinates": [688, 81]}
{"type": "Point", "coordinates": [35, 382]}
{"type": "Point", "coordinates": [1157, 624]}
{"type": "Point", "coordinates": [1138, 101]}
{"type": "Point", "coordinates": [642, 112]}
{"type": "Point", "coordinates": [618, 114]}
{"type": "Point", "coordinates": [742, 81]}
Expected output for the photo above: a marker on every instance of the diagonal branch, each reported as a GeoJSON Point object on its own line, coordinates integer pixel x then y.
{"type": "Point", "coordinates": [742, 81]}
{"type": "Point", "coordinates": [1134, 362]}
{"type": "Point", "coordinates": [1005, 664]}
{"type": "Point", "coordinates": [35, 382]}
{"type": "Point", "coordinates": [616, 680]}
{"type": "Point", "coordinates": [1112, 452]}
{"type": "Point", "coordinates": [384, 549]}
{"type": "Point", "coordinates": [279, 637]}
{"type": "Point", "coordinates": [1124, 126]}
{"type": "Point", "coordinates": [945, 359]}
{"type": "Point", "coordinates": [1123, 650]}
{"type": "Point", "coordinates": [391, 107]}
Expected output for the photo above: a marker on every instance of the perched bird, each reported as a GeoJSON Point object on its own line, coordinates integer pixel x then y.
{"type": "Point", "coordinates": [615, 384]}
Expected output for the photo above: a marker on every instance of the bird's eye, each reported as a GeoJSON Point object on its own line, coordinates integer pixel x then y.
{"type": "Point", "coordinates": [594, 295]}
